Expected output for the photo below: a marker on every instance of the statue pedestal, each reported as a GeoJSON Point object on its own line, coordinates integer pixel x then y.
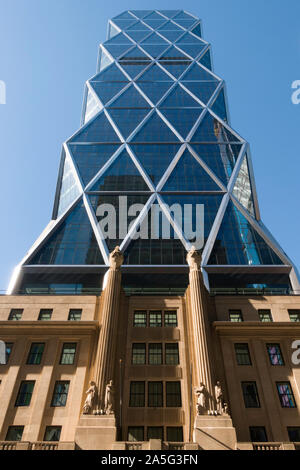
{"type": "Point", "coordinates": [96, 432]}
{"type": "Point", "coordinates": [214, 432]}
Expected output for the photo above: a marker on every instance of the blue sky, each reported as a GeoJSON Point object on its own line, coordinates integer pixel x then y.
{"type": "Point", "coordinates": [48, 49]}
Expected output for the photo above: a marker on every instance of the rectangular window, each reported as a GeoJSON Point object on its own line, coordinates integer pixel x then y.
{"type": "Point", "coordinates": [135, 433]}
{"type": "Point", "coordinates": [265, 315]}
{"type": "Point", "coordinates": [242, 353]}
{"type": "Point", "coordinates": [285, 394]}
{"type": "Point", "coordinates": [75, 314]}
{"type": "Point", "coordinates": [140, 318]}
{"type": "Point", "coordinates": [35, 353]}
{"type": "Point", "coordinates": [155, 354]}
{"type": "Point", "coordinates": [171, 354]}
{"type": "Point", "coordinates": [155, 432]}
{"type": "Point", "coordinates": [235, 316]}
{"type": "Point", "coordinates": [294, 315]}
{"type": "Point", "coordinates": [45, 314]}
{"type": "Point", "coordinates": [25, 393]}
{"type": "Point", "coordinates": [250, 393]}
{"type": "Point", "coordinates": [258, 434]}
{"type": "Point", "coordinates": [60, 393]}
{"type": "Point", "coordinates": [137, 394]}
{"type": "Point", "coordinates": [52, 433]}
{"type": "Point", "coordinates": [294, 433]}
{"type": "Point", "coordinates": [171, 318]}
{"type": "Point", "coordinates": [275, 355]}
{"type": "Point", "coordinates": [14, 433]}
{"type": "Point", "coordinates": [9, 347]}
{"type": "Point", "coordinates": [155, 394]}
{"type": "Point", "coordinates": [173, 394]}
{"type": "Point", "coordinates": [68, 353]}
{"type": "Point", "coordinates": [138, 353]}
{"type": "Point", "coordinates": [155, 318]}
{"type": "Point", "coordinates": [16, 314]}
{"type": "Point", "coordinates": [174, 434]}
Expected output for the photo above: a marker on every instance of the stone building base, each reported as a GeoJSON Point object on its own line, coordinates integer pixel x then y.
{"type": "Point", "coordinates": [214, 433]}
{"type": "Point", "coordinates": [96, 432]}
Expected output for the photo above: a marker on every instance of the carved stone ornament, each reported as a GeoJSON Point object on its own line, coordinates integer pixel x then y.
{"type": "Point", "coordinates": [91, 395]}
{"type": "Point", "coordinates": [109, 399]}
{"type": "Point", "coordinates": [116, 259]}
{"type": "Point", "coordinates": [194, 259]}
{"type": "Point", "coordinates": [201, 393]}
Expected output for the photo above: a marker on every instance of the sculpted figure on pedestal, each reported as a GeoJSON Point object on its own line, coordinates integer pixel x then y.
{"type": "Point", "coordinates": [201, 393]}
{"type": "Point", "coordinates": [90, 398]}
{"type": "Point", "coordinates": [116, 259]}
{"type": "Point", "coordinates": [219, 398]}
{"type": "Point", "coordinates": [109, 398]}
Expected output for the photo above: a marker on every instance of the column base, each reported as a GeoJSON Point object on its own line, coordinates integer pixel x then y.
{"type": "Point", "coordinates": [96, 432]}
{"type": "Point", "coordinates": [214, 433]}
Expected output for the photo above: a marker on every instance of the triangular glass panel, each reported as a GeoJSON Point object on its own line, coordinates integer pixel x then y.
{"type": "Point", "coordinates": [155, 158]}
{"type": "Point", "coordinates": [172, 35]}
{"type": "Point", "coordinates": [113, 31]}
{"type": "Point", "coordinates": [99, 130]}
{"type": "Point", "coordinates": [106, 91]}
{"type": "Point", "coordinates": [188, 175]}
{"type": "Point", "coordinates": [182, 119]}
{"type": "Point", "coordinates": [174, 67]}
{"type": "Point", "coordinates": [116, 50]}
{"type": "Point", "coordinates": [153, 16]}
{"type": "Point", "coordinates": [105, 60]}
{"type": "Point", "coordinates": [183, 16]}
{"type": "Point", "coordinates": [155, 130]}
{"type": "Point", "coordinates": [155, 74]}
{"type": "Point", "coordinates": [122, 175]}
{"type": "Point", "coordinates": [123, 16]}
{"type": "Point", "coordinates": [203, 90]}
{"type": "Point", "coordinates": [130, 98]}
{"type": "Point", "coordinates": [155, 91]}
{"type": "Point", "coordinates": [127, 119]}
{"type": "Point", "coordinates": [154, 50]}
{"type": "Point", "coordinates": [197, 30]}
{"type": "Point", "coordinates": [138, 36]}
{"type": "Point", "coordinates": [221, 159]}
{"type": "Point", "coordinates": [154, 39]}
{"type": "Point", "coordinates": [91, 158]}
{"type": "Point", "coordinates": [72, 243]}
{"type": "Point", "coordinates": [242, 188]}
{"type": "Point", "coordinates": [238, 243]}
{"type": "Point", "coordinates": [155, 242]}
{"type": "Point", "coordinates": [219, 107]}
{"type": "Point", "coordinates": [124, 24]}
{"type": "Point", "coordinates": [138, 27]}
{"type": "Point", "coordinates": [121, 219]}
{"type": "Point", "coordinates": [174, 54]}
{"type": "Point", "coordinates": [211, 130]}
{"type": "Point", "coordinates": [132, 68]}
{"type": "Point", "coordinates": [190, 39]}
{"type": "Point", "coordinates": [169, 27]}
{"type": "Point", "coordinates": [169, 13]}
{"type": "Point", "coordinates": [135, 54]}
{"type": "Point", "coordinates": [196, 72]}
{"type": "Point", "coordinates": [111, 74]}
{"type": "Point", "coordinates": [184, 23]}
{"type": "Point", "coordinates": [206, 60]}
{"type": "Point", "coordinates": [119, 39]}
{"type": "Point", "coordinates": [69, 189]}
{"type": "Point", "coordinates": [140, 13]}
{"type": "Point", "coordinates": [187, 210]}
{"type": "Point", "coordinates": [92, 107]}
{"type": "Point", "coordinates": [155, 23]}
{"type": "Point", "coordinates": [178, 98]}
{"type": "Point", "coordinates": [192, 50]}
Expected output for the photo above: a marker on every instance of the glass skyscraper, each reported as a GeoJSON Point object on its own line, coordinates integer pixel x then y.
{"type": "Point", "coordinates": [155, 138]}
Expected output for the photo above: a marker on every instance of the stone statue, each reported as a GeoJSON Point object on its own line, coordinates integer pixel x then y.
{"type": "Point", "coordinates": [219, 398]}
{"type": "Point", "coordinates": [90, 398]}
{"type": "Point", "coordinates": [109, 398]}
{"type": "Point", "coordinates": [116, 259]}
{"type": "Point", "coordinates": [201, 393]}
{"type": "Point", "coordinates": [194, 259]}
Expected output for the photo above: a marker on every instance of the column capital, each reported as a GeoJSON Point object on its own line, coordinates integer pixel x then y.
{"type": "Point", "coordinates": [194, 259]}
{"type": "Point", "coordinates": [116, 259]}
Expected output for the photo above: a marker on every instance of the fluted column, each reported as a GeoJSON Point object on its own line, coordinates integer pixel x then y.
{"type": "Point", "coordinates": [199, 327]}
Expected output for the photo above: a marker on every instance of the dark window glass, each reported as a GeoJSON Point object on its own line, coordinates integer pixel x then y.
{"type": "Point", "coordinates": [52, 433]}
{"type": "Point", "coordinates": [171, 354]}
{"type": "Point", "coordinates": [140, 318]}
{"type": "Point", "coordinates": [155, 394]}
{"type": "Point", "coordinates": [16, 314]}
{"type": "Point", "coordinates": [258, 434]}
{"type": "Point", "coordinates": [25, 393]}
{"type": "Point", "coordinates": [137, 394]}
{"type": "Point", "coordinates": [9, 347]}
{"type": "Point", "coordinates": [294, 315]}
{"type": "Point", "coordinates": [171, 318]}
{"type": "Point", "coordinates": [174, 434]}
{"type": "Point", "coordinates": [155, 318]}
{"type": "Point", "coordinates": [235, 316]}
{"type": "Point", "coordinates": [68, 353]}
{"type": "Point", "coordinates": [75, 314]}
{"type": "Point", "coordinates": [14, 433]}
{"type": "Point", "coordinates": [45, 314]}
{"type": "Point", "coordinates": [135, 433]}
{"type": "Point", "coordinates": [294, 433]}
{"type": "Point", "coordinates": [265, 315]}
{"type": "Point", "coordinates": [275, 354]}
{"type": "Point", "coordinates": [35, 353]}
{"type": "Point", "coordinates": [155, 354]}
{"type": "Point", "coordinates": [60, 393]}
{"type": "Point", "coordinates": [173, 394]}
{"type": "Point", "coordinates": [155, 432]}
{"type": "Point", "coordinates": [251, 398]}
{"type": "Point", "coordinates": [242, 354]}
{"type": "Point", "coordinates": [286, 396]}
{"type": "Point", "coordinates": [138, 353]}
